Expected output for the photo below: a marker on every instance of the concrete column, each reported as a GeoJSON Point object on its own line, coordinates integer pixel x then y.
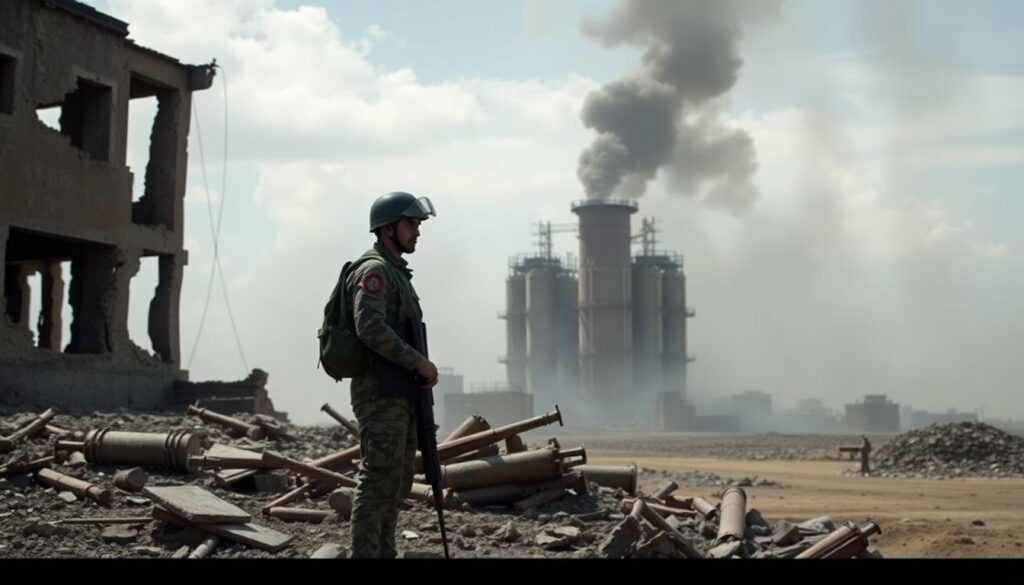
{"type": "Point", "coordinates": [163, 310]}
{"type": "Point", "coordinates": [18, 293]}
{"type": "Point", "coordinates": [127, 268]}
{"type": "Point", "coordinates": [51, 322]}
{"type": "Point", "coordinates": [91, 296]}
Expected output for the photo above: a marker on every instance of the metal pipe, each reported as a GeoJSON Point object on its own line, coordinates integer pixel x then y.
{"type": "Point", "coordinates": [422, 492]}
{"type": "Point", "coordinates": [82, 489]}
{"type": "Point", "coordinates": [307, 469]}
{"type": "Point", "coordinates": [855, 545]}
{"type": "Point", "coordinates": [505, 494]}
{"type": "Point", "coordinates": [667, 488]}
{"type": "Point", "coordinates": [338, 461]}
{"type": "Point", "coordinates": [540, 498]}
{"type": "Point", "coordinates": [612, 476]}
{"type": "Point", "coordinates": [27, 467]}
{"type": "Point", "coordinates": [288, 497]}
{"type": "Point", "coordinates": [299, 514]}
{"type": "Point", "coordinates": [706, 508]}
{"type": "Point", "coordinates": [206, 547]}
{"type": "Point", "coordinates": [843, 542]}
{"type": "Point", "coordinates": [273, 428]}
{"type": "Point", "coordinates": [628, 503]}
{"type": "Point", "coordinates": [348, 425]}
{"type": "Point", "coordinates": [252, 431]}
{"type": "Point", "coordinates": [29, 430]}
{"type": "Point", "coordinates": [657, 521]}
{"type": "Point", "coordinates": [104, 446]}
{"type": "Point", "coordinates": [472, 425]}
{"type": "Point", "coordinates": [733, 523]}
{"type": "Point", "coordinates": [216, 462]}
{"type": "Point", "coordinates": [55, 431]}
{"type": "Point", "coordinates": [637, 511]}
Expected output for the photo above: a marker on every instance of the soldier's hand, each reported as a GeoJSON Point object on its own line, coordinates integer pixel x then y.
{"type": "Point", "coordinates": [428, 371]}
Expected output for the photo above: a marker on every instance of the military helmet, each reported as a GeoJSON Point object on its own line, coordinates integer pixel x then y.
{"type": "Point", "coordinates": [391, 207]}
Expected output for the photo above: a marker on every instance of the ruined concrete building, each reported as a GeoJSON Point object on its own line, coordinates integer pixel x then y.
{"type": "Point", "coordinates": [67, 211]}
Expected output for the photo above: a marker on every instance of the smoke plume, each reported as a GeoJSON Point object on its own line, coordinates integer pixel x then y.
{"type": "Point", "coordinates": [663, 116]}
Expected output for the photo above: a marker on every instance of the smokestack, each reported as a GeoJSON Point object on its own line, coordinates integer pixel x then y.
{"type": "Point", "coordinates": [663, 116]}
{"type": "Point", "coordinates": [605, 292]}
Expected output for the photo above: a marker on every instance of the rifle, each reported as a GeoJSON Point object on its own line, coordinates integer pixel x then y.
{"type": "Point", "coordinates": [426, 432]}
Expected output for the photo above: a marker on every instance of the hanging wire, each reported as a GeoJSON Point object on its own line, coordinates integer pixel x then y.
{"type": "Point", "coordinates": [215, 265]}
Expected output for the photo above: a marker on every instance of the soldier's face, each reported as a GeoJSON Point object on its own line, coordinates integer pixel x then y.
{"type": "Point", "coordinates": [407, 234]}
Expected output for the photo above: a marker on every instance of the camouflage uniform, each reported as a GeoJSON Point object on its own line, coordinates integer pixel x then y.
{"type": "Point", "coordinates": [382, 300]}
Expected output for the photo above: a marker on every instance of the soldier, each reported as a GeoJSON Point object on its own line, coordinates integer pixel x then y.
{"type": "Point", "coordinates": [865, 451]}
{"type": "Point", "coordinates": [383, 302]}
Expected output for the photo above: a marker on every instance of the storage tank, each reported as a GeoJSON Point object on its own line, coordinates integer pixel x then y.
{"type": "Point", "coordinates": [673, 287]}
{"type": "Point", "coordinates": [541, 325]}
{"type": "Point", "coordinates": [515, 329]}
{"type": "Point", "coordinates": [647, 331]}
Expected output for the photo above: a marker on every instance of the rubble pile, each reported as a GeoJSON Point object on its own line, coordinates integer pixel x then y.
{"type": "Point", "coordinates": [209, 485]}
{"type": "Point", "coordinates": [951, 450]}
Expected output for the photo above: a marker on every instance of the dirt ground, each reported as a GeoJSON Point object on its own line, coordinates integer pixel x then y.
{"type": "Point", "coordinates": [919, 518]}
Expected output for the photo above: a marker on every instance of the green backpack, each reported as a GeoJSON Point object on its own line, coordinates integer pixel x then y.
{"type": "Point", "coordinates": [342, 354]}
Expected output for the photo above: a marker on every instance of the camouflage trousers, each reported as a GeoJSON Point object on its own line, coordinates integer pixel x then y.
{"type": "Point", "coordinates": [387, 447]}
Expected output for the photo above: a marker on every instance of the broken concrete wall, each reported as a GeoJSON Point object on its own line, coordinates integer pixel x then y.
{"type": "Point", "coordinates": [66, 200]}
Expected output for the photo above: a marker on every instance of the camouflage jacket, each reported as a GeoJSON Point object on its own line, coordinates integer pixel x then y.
{"type": "Point", "coordinates": [382, 300]}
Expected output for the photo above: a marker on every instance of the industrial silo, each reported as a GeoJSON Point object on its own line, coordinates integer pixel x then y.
{"type": "Point", "coordinates": [647, 330]}
{"type": "Point", "coordinates": [541, 331]}
{"type": "Point", "coordinates": [515, 329]}
{"type": "Point", "coordinates": [673, 286]}
{"type": "Point", "coordinates": [605, 289]}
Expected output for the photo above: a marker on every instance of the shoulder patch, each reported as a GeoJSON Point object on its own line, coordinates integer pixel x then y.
{"type": "Point", "coordinates": [373, 283]}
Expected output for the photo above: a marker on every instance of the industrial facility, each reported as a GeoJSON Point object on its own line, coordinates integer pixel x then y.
{"type": "Point", "coordinates": [603, 337]}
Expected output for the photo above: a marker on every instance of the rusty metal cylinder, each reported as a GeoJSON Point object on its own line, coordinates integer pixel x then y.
{"type": "Point", "coordinates": [288, 498]}
{"type": "Point", "coordinates": [29, 430]}
{"type": "Point", "coordinates": [706, 508]}
{"type": "Point", "coordinates": [628, 503]}
{"type": "Point", "coordinates": [338, 461]}
{"type": "Point", "coordinates": [348, 425]}
{"type": "Point", "coordinates": [251, 431]}
{"type": "Point", "coordinates": [655, 519]}
{"type": "Point", "coordinates": [472, 425]}
{"type": "Point", "coordinates": [666, 489]}
{"type": "Point", "coordinates": [131, 480]}
{"type": "Point", "coordinates": [82, 489]}
{"type": "Point", "coordinates": [529, 466]}
{"type": "Point", "coordinates": [299, 514]}
{"type": "Point", "coordinates": [107, 447]}
{"type": "Point", "coordinates": [313, 471]}
{"type": "Point", "coordinates": [27, 467]}
{"type": "Point", "coordinates": [505, 494]}
{"type": "Point", "coordinates": [205, 548]}
{"type": "Point", "coordinates": [733, 523]}
{"type": "Point", "coordinates": [843, 542]}
{"type": "Point", "coordinates": [612, 476]}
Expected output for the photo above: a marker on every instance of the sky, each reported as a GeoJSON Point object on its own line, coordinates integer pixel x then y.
{"type": "Point", "coordinates": [876, 248]}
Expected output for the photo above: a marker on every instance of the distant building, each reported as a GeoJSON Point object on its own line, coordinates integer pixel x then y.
{"type": "Point", "coordinates": [876, 414]}
{"type": "Point", "coordinates": [448, 382]}
{"type": "Point", "coordinates": [492, 401]}
{"type": "Point", "coordinates": [754, 410]}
